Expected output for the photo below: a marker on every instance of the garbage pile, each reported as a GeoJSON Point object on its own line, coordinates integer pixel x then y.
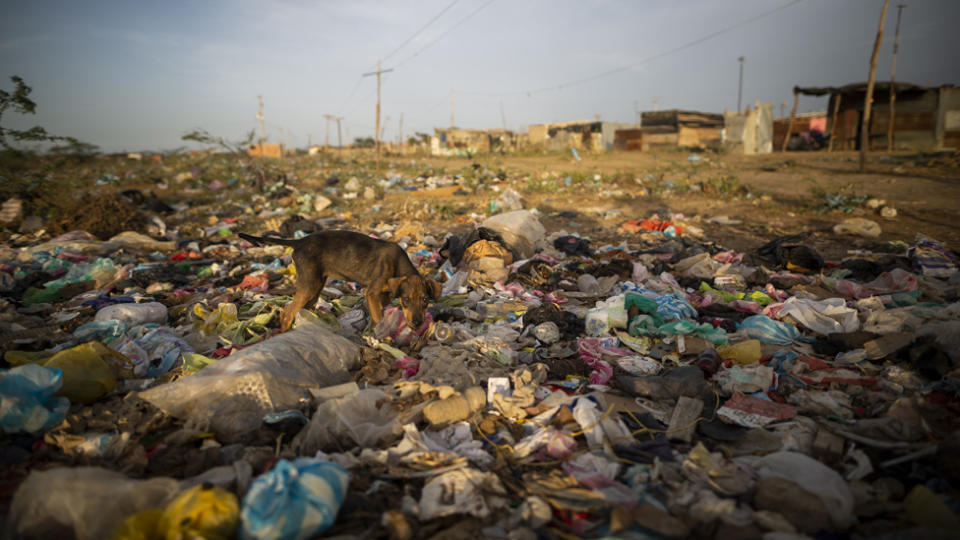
{"type": "Point", "coordinates": [660, 387]}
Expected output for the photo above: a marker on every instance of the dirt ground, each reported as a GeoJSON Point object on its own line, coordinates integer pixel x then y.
{"type": "Point", "coordinates": [786, 193]}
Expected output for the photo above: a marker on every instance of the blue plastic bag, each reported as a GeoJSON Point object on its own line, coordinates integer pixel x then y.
{"type": "Point", "coordinates": [296, 499]}
{"type": "Point", "coordinates": [675, 307]}
{"type": "Point", "coordinates": [767, 330]}
{"type": "Point", "coordinates": [26, 399]}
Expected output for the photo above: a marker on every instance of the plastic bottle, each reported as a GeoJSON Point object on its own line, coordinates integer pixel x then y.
{"type": "Point", "coordinates": [745, 352]}
{"type": "Point", "coordinates": [134, 314]}
{"type": "Point", "coordinates": [442, 332]}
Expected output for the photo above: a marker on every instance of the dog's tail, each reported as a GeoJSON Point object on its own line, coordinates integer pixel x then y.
{"type": "Point", "coordinates": [260, 240]}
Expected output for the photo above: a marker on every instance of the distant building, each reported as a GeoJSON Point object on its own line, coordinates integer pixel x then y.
{"type": "Point", "coordinates": [451, 141]}
{"type": "Point", "coordinates": [266, 150]}
{"type": "Point", "coordinates": [675, 128]}
{"type": "Point", "coordinates": [590, 135]}
{"type": "Point", "coordinates": [926, 117]}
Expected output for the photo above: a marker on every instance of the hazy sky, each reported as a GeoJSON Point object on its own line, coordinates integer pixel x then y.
{"type": "Point", "coordinates": [129, 75]}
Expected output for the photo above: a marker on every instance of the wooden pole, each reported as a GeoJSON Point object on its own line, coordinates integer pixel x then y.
{"type": "Point", "coordinates": [833, 123]}
{"type": "Point", "coordinates": [868, 99]}
{"type": "Point", "coordinates": [893, 70]}
{"type": "Point", "coordinates": [377, 132]}
{"type": "Point", "coordinates": [793, 115]}
{"type": "Point", "coordinates": [740, 87]}
{"type": "Point", "coordinates": [339, 138]}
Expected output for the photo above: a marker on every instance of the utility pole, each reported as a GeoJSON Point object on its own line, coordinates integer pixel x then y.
{"type": "Point", "coordinates": [893, 69]}
{"type": "Point", "coordinates": [655, 101]}
{"type": "Point", "coordinates": [451, 107]}
{"type": "Point", "coordinates": [503, 116]}
{"type": "Point", "coordinates": [263, 128]}
{"type": "Point", "coordinates": [636, 111]}
{"type": "Point", "coordinates": [339, 139]}
{"type": "Point", "coordinates": [376, 133]}
{"type": "Point", "coordinates": [326, 141]}
{"type": "Point", "coordinates": [740, 87]}
{"type": "Point", "coordinates": [329, 117]}
{"type": "Point", "coordinates": [400, 131]}
{"type": "Point", "coordinates": [865, 123]}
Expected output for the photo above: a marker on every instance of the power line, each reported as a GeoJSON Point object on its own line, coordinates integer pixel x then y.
{"type": "Point", "coordinates": [643, 61]}
{"type": "Point", "coordinates": [443, 35]}
{"type": "Point", "coordinates": [422, 28]}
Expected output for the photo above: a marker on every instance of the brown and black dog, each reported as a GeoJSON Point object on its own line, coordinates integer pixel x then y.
{"type": "Point", "coordinates": [382, 267]}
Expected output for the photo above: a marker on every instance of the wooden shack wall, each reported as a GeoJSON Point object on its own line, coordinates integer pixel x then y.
{"type": "Point", "coordinates": [915, 124]}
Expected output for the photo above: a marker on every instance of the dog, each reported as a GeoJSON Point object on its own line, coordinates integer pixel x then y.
{"type": "Point", "coordinates": [382, 267]}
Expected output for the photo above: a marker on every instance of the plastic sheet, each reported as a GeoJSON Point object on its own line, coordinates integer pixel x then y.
{"type": "Point", "coordinates": [86, 503]}
{"type": "Point", "coordinates": [231, 396]}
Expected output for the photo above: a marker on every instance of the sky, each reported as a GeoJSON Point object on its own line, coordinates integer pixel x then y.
{"type": "Point", "coordinates": [136, 76]}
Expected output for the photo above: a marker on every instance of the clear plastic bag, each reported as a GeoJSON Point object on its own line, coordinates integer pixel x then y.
{"type": "Point", "coordinates": [520, 229]}
{"type": "Point", "coordinates": [231, 396]}
{"type": "Point", "coordinates": [86, 503]}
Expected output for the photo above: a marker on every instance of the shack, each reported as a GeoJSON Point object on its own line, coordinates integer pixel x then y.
{"type": "Point", "coordinates": [457, 141]}
{"type": "Point", "coordinates": [925, 118]}
{"type": "Point", "coordinates": [676, 128]}
{"type": "Point", "coordinates": [584, 134]}
{"type": "Point", "coordinates": [266, 150]}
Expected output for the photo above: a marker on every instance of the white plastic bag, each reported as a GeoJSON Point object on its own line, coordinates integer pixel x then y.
{"type": "Point", "coordinates": [365, 418]}
{"type": "Point", "coordinates": [816, 478]}
{"type": "Point", "coordinates": [521, 230]}
{"type": "Point", "coordinates": [825, 317]}
{"type": "Point", "coordinates": [231, 396]}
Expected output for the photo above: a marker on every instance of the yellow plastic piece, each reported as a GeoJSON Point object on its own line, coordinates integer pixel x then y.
{"type": "Point", "coordinates": [202, 512]}
{"type": "Point", "coordinates": [89, 371]}
{"type": "Point", "coordinates": [743, 353]}
{"type": "Point", "coordinates": [20, 358]}
{"type": "Point", "coordinates": [140, 526]}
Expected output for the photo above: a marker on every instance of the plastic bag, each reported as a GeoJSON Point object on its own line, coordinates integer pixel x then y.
{"type": "Point", "coordinates": [133, 314]}
{"type": "Point", "coordinates": [520, 229]}
{"type": "Point", "coordinates": [26, 399]}
{"type": "Point", "coordinates": [86, 503]}
{"type": "Point", "coordinates": [767, 330]}
{"type": "Point", "coordinates": [825, 317]}
{"type": "Point", "coordinates": [206, 512]}
{"type": "Point", "coordinates": [365, 418]}
{"type": "Point", "coordinates": [816, 478]}
{"type": "Point", "coordinates": [231, 396]}
{"type": "Point", "coordinates": [296, 499]}
{"type": "Point", "coordinates": [89, 371]}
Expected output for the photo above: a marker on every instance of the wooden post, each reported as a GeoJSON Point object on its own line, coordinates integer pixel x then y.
{"type": "Point", "coordinates": [339, 138]}
{"type": "Point", "coordinates": [833, 122]}
{"type": "Point", "coordinates": [793, 115]}
{"type": "Point", "coordinates": [376, 133]}
{"type": "Point", "coordinates": [893, 70]}
{"type": "Point", "coordinates": [868, 99]}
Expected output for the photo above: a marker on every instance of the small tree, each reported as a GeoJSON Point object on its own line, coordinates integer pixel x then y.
{"type": "Point", "coordinates": [364, 142]}
{"type": "Point", "coordinates": [18, 102]}
{"type": "Point", "coordinates": [235, 147]}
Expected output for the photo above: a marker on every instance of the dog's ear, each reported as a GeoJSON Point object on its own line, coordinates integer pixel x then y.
{"type": "Point", "coordinates": [435, 287]}
{"type": "Point", "coordinates": [392, 286]}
